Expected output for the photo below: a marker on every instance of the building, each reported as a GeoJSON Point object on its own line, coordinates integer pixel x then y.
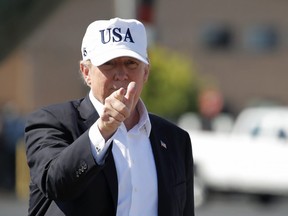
{"type": "Point", "coordinates": [240, 46]}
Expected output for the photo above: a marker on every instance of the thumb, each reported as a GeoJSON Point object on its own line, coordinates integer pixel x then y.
{"type": "Point", "coordinates": [131, 91]}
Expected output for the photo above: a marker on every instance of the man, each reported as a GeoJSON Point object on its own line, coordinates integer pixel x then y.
{"type": "Point", "coordinates": [104, 154]}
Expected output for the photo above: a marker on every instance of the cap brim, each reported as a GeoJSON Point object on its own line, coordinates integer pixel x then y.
{"type": "Point", "coordinates": [104, 57]}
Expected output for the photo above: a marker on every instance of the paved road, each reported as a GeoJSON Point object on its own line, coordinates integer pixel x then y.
{"type": "Point", "coordinates": [219, 205]}
{"type": "Point", "coordinates": [243, 205]}
{"type": "Point", "coordinates": [11, 206]}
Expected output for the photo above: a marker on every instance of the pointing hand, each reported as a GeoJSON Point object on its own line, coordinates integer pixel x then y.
{"type": "Point", "coordinates": [117, 108]}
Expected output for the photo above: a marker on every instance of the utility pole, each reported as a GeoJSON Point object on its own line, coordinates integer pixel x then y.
{"type": "Point", "coordinates": [125, 9]}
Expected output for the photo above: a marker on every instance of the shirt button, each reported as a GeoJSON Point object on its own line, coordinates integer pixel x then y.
{"type": "Point", "coordinates": [98, 149]}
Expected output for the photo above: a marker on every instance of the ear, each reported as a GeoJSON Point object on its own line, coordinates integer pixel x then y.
{"type": "Point", "coordinates": [85, 73]}
{"type": "Point", "coordinates": [84, 70]}
{"type": "Point", "coordinates": [146, 72]}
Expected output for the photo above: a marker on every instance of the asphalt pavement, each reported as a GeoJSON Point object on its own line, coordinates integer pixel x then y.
{"type": "Point", "coordinates": [218, 205]}
{"type": "Point", "coordinates": [243, 205]}
{"type": "Point", "coordinates": [10, 205]}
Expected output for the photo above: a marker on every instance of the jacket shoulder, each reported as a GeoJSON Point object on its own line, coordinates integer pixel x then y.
{"type": "Point", "coordinates": [163, 123]}
{"type": "Point", "coordinates": [65, 107]}
{"type": "Point", "coordinates": [59, 110]}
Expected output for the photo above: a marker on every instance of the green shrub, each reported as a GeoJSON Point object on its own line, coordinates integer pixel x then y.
{"type": "Point", "coordinates": [173, 83]}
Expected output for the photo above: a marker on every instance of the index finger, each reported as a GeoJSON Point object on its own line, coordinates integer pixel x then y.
{"type": "Point", "coordinates": [119, 94]}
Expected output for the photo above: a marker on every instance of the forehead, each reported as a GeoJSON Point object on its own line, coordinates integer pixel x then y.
{"type": "Point", "coordinates": [124, 58]}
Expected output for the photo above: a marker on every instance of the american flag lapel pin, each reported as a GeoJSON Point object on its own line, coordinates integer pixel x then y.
{"type": "Point", "coordinates": [163, 144]}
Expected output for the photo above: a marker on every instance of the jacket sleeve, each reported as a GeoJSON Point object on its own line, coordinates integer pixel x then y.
{"type": "Point", "coordinates": [58, 154]}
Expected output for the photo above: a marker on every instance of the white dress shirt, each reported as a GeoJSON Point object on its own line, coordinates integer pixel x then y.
{"type": "Point", "coordinates": [134, 161]}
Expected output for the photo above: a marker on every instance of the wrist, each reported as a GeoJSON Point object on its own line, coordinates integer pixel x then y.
{"type": "Point", "coordinates": [106, 131]}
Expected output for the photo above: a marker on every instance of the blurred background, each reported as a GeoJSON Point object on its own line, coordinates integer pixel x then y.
{"type": "Point", "coordinates": [211, 61]}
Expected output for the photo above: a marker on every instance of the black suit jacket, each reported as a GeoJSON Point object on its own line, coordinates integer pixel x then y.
{"type": "Point", "coordinates": [66, 180]}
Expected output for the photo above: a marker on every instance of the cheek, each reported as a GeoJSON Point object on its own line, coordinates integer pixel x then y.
{"type": "Point", "coordinates": [145, 78]}
{"type": "Point", "coordinates": [141, 82]}
{"type": "Point", "coordinates": [139, 88]}
{"type": "Point", "coordinates": [100, 88]}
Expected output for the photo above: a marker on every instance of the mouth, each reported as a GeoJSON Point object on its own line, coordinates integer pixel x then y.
{"type": "Point", "coordinates": [115, 88]}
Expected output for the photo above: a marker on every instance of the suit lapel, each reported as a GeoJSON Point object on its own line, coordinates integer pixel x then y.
{"type": "Point", "coordinates": [111, 176]}
{"type": "Point", "coordinates": [87, 112]}
{"type": "Point", "coordinates": [163, 167]}
{"type": "Point", "coordinates": [88, 116]}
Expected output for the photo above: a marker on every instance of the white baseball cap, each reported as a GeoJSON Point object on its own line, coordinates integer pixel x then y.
{"type": "Point", "coordinates": [108, 39]}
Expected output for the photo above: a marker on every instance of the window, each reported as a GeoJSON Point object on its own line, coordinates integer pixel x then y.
{"type": "Point", "coordinates": [261, 38]}
{"type": "Point", "coordinates": [217, 37]}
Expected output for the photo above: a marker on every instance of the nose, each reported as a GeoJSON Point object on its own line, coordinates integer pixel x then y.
{"type": "Point", "coordinates": [120, 73]}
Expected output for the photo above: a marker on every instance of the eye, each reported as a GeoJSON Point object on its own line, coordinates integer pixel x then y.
{"type": "Point", "coordinates": [108, 65]}
{"type": "Point", "coordinates": [131, 64]}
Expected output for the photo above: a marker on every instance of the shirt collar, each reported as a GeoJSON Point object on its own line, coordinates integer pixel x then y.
{"type": "Point", "coordinates": [96, 103]}
{"type": "Point", "coordinates": [144, 121]}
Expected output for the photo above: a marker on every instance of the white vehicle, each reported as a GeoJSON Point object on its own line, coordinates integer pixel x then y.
{"type": "Point", "coordinates": [253, 158]}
